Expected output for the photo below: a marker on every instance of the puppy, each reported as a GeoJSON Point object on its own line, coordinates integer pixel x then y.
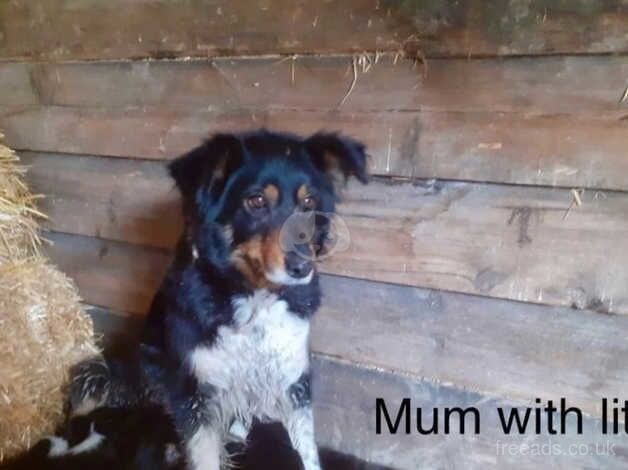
{"type": "Point", "coordinates": [226, 338]}
{"type": "Point", "coordinates": [137, 438]}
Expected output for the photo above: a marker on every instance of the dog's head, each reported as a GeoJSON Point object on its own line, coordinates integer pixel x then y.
{"type": "Point", "coordinates": [245, 196]}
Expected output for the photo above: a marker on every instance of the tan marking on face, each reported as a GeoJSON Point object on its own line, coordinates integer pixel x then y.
{"type": "Point", "coordinates": [271, 193]}
{"type": "Point", "coordinates": [257, 256]}
{"type": "Point", "coordinates": [302, 193]}
{"type": "Point", "coordinates": [247, 258]}
{"type": "Point", "coordinates": [272, 253]}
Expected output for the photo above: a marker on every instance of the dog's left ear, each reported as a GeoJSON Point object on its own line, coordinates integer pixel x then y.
{"type": "Point", "coordinates": [207, 167]}
{"type": "Point", "coordinates": [338, 157]}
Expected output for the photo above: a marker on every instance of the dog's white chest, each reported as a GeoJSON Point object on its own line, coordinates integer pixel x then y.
{"type": "Point", "coordinates": [257, 359]}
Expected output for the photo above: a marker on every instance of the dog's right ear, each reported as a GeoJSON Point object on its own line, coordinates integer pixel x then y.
{"type": "Point", "coordinates": [338, 157]}
{"type": "Point", "coordinates": [207, 167]}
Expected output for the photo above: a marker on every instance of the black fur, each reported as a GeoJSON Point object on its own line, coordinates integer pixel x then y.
{"type": "Point", "coordinates": [195, 298]}
{"type": "Point", "coordinates": [144, 439]}
{"type": "Point", "coordinates": [137, 438]}
{"type": "Point", "coordinates": [301, 392]}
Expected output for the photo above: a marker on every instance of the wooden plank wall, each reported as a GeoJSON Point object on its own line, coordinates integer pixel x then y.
{"type": "Point", "coordinates": [473, 273]}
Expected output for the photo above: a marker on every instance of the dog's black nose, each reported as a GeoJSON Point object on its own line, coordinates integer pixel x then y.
{"type": "Point", "coordinates": [297, 266]}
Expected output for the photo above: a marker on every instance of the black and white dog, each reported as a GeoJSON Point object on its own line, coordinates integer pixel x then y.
{"type": "Point", "coordinates": [132, 438]}
{"type": "Point", "coordinates": [226, 339]}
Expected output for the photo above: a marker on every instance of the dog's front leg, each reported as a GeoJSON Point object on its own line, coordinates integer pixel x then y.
{"type": "Point", "coordinates": [196, 418]}
{"type": "Point", "coordinates": [203, 449]}
{"type": "Point", "coordinates": [300, 423]}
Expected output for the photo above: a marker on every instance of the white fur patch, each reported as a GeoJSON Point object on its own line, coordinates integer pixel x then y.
{"type": "Point", "coordinates": [238, 430]}
{"type": "Point", "coordinates": [90, 443]}
{"type": "Point", "coordinates": [171, 454]}
{"type": "Point", "coordinates": [283, 278]}
{"type": "Point", "coordinates": [58, 446]}
{"type": "Point", "coordinates": [254, 362]}
{"type": "Point", "coordinates": [203, 450]}
{"type": "Point", "coordinates": [300, 426]}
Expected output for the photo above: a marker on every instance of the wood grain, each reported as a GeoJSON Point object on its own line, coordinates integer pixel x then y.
{"type": "Point", "coordinates": [520, 243]}
{"type": "Point", "coordinates": [344, 415]}
{"type": "Point", "coordinates": [540, 85]}
{"type": "Point", "coordinates": [499, 348]}
{"type": "Point", "coordinates": [127, 200]}
{"type": "Point", "coordinates": [550, 121]}
{"type": "Point", "coordinates": [510, 242]}
{"type": "Point", "coordinates": [62, 30]}
{"type": "Point", "coordinates": [121, 277]}
{"type": "Point", "coordinates": [576, 151]}
{"type": "Point", "coordinates": [16, 87]}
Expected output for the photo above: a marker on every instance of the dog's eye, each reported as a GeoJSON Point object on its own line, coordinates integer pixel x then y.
{"type": "Point", "coordinates": [308, 203]}
{"type": "Point", "coordinates": [255, 202]}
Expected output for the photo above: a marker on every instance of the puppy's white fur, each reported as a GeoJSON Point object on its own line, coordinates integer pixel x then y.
{"type": "Point", "coordinates": [59, 446]}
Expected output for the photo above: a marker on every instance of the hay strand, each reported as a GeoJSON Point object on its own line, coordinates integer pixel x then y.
{"type": "Point", "coordinates": [354, 80]}
{"type": "Point", "coordinates": [18, 214]}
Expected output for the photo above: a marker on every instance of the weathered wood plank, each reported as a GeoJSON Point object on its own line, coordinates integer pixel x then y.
{"type": "Point", "coordinates": [517, 243]}
{"type": "Point", "coordinates": [344, 414]}
{"type": "Point", "coordinates": [154, 134]}
{"type": "Point", "coordinates": [346, 393]}
{"type": "Point", "coordinates": [120, 277]}
{"type": "Point", "coordinates": [126, 200]}
{"type": "Point", "coordinates": [552, 121]}
{"type": "Point", "coordinates": [16, 86]}
{"type": "Point", "coordinates": [509, 242]}
{"type": "Point", "coordinates": [60, 30]}
{"type": "Point", "coordinates": [541, 85]}
{"type": "Point", "coordinates": [564, 150]}
{"type": "Point", "coordinates": [501, 348]}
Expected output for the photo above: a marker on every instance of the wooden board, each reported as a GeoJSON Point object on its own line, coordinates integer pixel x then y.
{"type": "Point", "coordinates": [344, 414]}
{"type": "Point", "coordinates": [520, 243]}
{"type": "Point", "coordinates": [571, 151]}
{"type": "Point", "coordinates": [127, 200]}
{"type": "Point", "coordinates": [510, 242]}
{"type": "Point", "coordinates": [62, 30]}
{"type": "Point", "coordinates": [16, 86]}
{"type": "Point", "coordinates": [550, 121]}
{"type": "Point", "coordinates": [540, 85]}
{"type": "Point", "coordinates": [494, 347]}
{"type": "Point", "coordinates": [120, 277]}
